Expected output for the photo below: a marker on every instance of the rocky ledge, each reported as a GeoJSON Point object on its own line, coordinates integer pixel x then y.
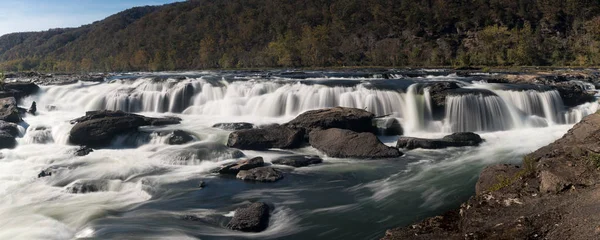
{"type": "Point", "coordinates": [554, 194]}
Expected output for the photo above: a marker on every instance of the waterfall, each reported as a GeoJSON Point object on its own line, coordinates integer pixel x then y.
{"type": "Point", "coordinates": [497, 108]}
{"type": "Point", "coordinates": [477, 112]}
{"type": "Point", "coordinates": [546, 104]}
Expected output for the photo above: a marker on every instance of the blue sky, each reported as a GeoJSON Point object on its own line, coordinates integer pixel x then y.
{"type": "Point", "coordinates": [38, 15]}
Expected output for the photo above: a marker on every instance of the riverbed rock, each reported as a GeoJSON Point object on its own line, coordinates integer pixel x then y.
{"type": "Point", "coordinates": [9, 111]}
{"type": "Point", "coordinates": [33, 108]}
{"type": "Point", "coordinates": [178, 137]}
{"type": "Point", "coordinates": [98, 128]}
{"type": "Point", "coordinates": [251, 218]}
{"type": "Point", "coordinates": [260, 174]}
{"type": "Point", "coordinates": [342, 143]}
{"type": "Point", "coordinates": [573, 94]}
{"type": "Point", "coordinates": [18, 90]}
{"type": "Point", "coordinates": [272, 136]}
{"type": "Point", "coordinates": [235, 168]}
{"type": "Point", "coordinates": [298, 160]}
{"type": "Point", "coordinates": [198, 152]}
{"type": "Point", "coordinates": [453, 140]}
{"type": "Point", "coordinates": [10, 128]}
{"type": "Point", "coordinates": [388, 127]}
{"type": "Point", "coordinates": [7, 140]}
{"type": "Point", "coordinates": [553, 195]}
{"type": "Point", "coordinates": [234, 126]}
{"type": "Point", "coordinates": [354, 119]}
{"type": "Point", "coordinates": [83, 151]}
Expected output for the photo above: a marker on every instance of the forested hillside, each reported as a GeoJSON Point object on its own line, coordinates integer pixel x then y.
{"type": "Point", "coordinates": [200, 34]}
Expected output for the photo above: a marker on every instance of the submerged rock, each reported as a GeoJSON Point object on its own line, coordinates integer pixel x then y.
{"type": "Point", "coordinates": [260, 174]}
{"type": "Point", "coordinates": [33, 108]}
{"type": "Point", "coordinates": [272, 136]}
{"type": "Point", "coordinates": [342, 143]}
{"type": "Point", "coordinates": [454, 140]}
{"type": "Point", "coordinates": [10, 128]}
{"type": "Point", "coordinates": [298, 161]}
{"type": "Point", "coordinates": [234, 126]}
{"type": "Point", "coordinates": [388, 127]}
{"type": "Point", "coordinates": [9, 112]}
{"type": "Point", "coordinates": [83, 151]}
{"type": "Point", "coordinates": [98, 128]}
{"type": "Point", "coordinates": [235, 168]}
{"type": "Point", "coordinates": [178, 137]}
{"type": "Point", "coordinates": [44, 173]}
{"type": "Point", "coordinates": [7, 140]}
{"type": "Point", "coordinates": [354, 119]}
{"type": "Point", "coordinates": [251, 218]}
{"type": "Point", "coordinates": [198, 152]}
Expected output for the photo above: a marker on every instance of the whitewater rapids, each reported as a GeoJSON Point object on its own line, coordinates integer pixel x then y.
{"type": "Point", "coordinates": [149, 192]}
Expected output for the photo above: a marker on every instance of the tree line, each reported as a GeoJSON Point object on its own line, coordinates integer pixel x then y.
{"type": "Point", "coordinates": [202, 34]}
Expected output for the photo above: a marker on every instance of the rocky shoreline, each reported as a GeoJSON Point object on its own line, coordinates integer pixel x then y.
{"type": "Point", "coordinates": [554, 194]}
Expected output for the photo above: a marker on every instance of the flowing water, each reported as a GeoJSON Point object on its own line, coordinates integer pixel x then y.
{"type": "Point", "coordinates": [149, 190]}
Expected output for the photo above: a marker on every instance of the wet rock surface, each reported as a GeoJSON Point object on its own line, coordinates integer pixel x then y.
{"type": "Point", "coordinates": [260, 174]}
{"type": "Point", "coordinates": [234, 126]}
{"type": "Point", "coordinates": [272, 136]}
{"type": "Point", "coordinates": [251, 218]}
{"type": "Point", "coordinates": [9, 111]}
{"type": "Point", "coordinates": [453, 140]}
{"type": "Point", "coordinates": [298, 161]}
{"type": "Point", "coordinates": [98, 128]}
{"type": "Point", "coordinates": [342, 143]}
{"type": "Point", "coordinates": [354, 119]}
{"type": "Point", "coordinates": [235, 168]}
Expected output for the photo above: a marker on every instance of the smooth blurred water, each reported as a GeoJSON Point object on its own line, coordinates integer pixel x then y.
{"type": "Point", "coordinates": [152, 192]}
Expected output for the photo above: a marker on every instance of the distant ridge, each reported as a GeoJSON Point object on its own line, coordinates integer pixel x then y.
{"type": "Point", "coordinates": [199, 34]}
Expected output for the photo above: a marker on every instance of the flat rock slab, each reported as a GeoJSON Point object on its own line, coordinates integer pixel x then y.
{"type": "Point", "coordinates": [342, 143]}
{"type": "Point", "coordinates": [242, 165]}
{"type": "Point", "coordinates": [354, 119]}
{"type": "Point", "coordinates": [453, 140]}
{"type": "Point", "coordinates": [234, 126]}
{"type": "Point", "coordinates": [273, 136]}
{"type": "Point", "coordinates": [251, 218]}
{"type": "Point", "coordinates": [298, 161]}
{"type": "Point", "coordinates": [261, 174]}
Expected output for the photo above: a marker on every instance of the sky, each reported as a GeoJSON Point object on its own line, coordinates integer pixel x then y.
{"type": "Point", "coordinates": [39, 15]}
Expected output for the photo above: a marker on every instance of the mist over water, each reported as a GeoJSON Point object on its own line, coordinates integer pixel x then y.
{"type": "Point", "coordinates": [149, 190]}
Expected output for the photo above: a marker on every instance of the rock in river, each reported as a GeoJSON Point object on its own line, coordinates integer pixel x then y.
{"type": "Point", "coordinates": [298, 161]}
{"type": "Point", "coordinates": [234, 126]}
{"type": "Point", "coordinates": [236, 167]}
{"type": "Point", "coordinates": [342, 143]}
{"type": "Point", "coordinates": [354, 119]}
{"type": "Point", "coordinates": [260, 174]}
{"type": "Point", "coordinates": [272, 136]}
{"type": "Point", "coordinates": [98, 128]}
{"type": "Point", "coordinates": [251, 218]}
{"type": "Point", "coordinates": [454, 140]}
{"type": "Point", "coordinates": [9, 111]}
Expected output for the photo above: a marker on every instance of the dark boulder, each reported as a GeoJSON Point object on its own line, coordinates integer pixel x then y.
{"type": "Point", "coordinates": [453, 140]}
{"type": "Point", "coordinates": [573, 94]}
{"type": "Point", "coordinates": [33, 108]}
{"type": "Point", "coordinates": [260, 174]}
{"type": "Point", "coordinates": [251, 218]}
{"type": "Point", "coordinates": [44, 173]}
{"type": "Point", "coordinates": [438, 92]}
{"type": "Point", "coordinates": [298, 161]}
{"type": "Point", "coordinates": [234, 126]}
{"type": "Point", "coordinates": [467, 138]}
{"type": "Point", "coordinates": [83, 151]}
{"type": "Point", "coordinates": [342, 143]}
{"type": "Point", "coordinates": [272, 136]}
{"type": "Point", "coordinates": [247, 164]}
{"type": "Point", "coordinates": [9, 112]}
{"type": "Point", "coordinates": [23, 88]}
{"type": "Point", "coordinates": [354, 119]}
{"type": "Point", "coordinates": [97, 129]}
{"type": "Point", "coordinates": [7, 140]}
{"type": "Point", "coordinates": [89, 186]}
{"type": "Point", "coordinates": [10, 128]}
{"type": "Point", "coordinates": [388, 127]}
{"type": "Point", "coordinates": [177, 137]}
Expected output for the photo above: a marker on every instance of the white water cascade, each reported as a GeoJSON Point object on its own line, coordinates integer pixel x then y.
{"type": "Point", "coordinates": [498, 110]}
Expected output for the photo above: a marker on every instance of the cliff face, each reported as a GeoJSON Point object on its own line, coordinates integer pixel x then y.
{"type": "Point", "coordinates": [553, 195]}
